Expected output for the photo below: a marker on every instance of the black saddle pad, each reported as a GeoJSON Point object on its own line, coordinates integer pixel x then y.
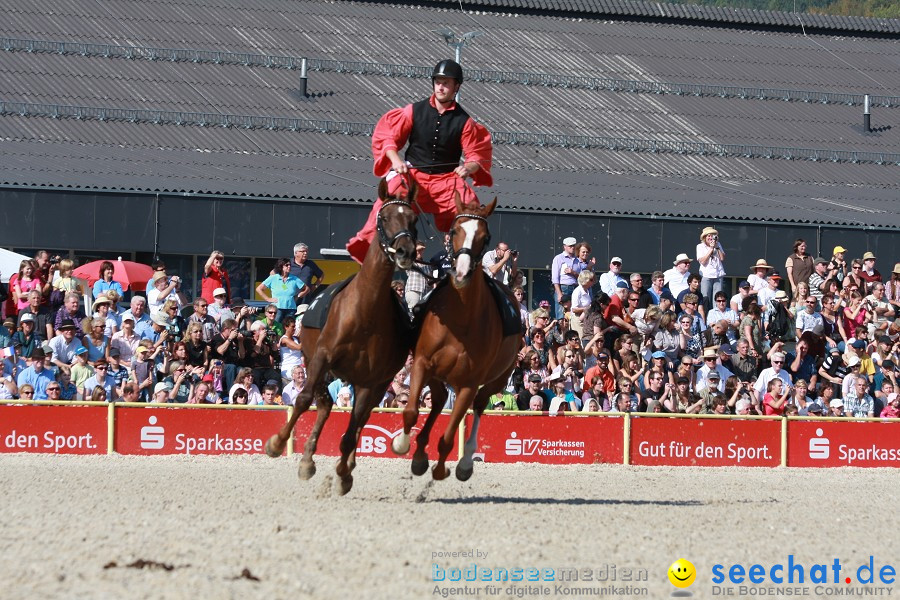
{"type": "Point", "coordinates": [509, 312]}
{"type": "Point", "coordinates": [317, 313]}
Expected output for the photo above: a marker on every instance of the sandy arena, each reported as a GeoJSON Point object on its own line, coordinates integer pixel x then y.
{"type": "Point", "coordinates": [68, 519]}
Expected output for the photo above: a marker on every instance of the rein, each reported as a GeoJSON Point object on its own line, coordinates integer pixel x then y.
{"type": "Point", "coordinates": [387, 243]}
{"type": "Point", "coordinates": [487, 239]}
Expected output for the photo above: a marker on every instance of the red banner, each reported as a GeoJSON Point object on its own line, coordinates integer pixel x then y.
{"type": "Point", "coordinates": [705, 442]}
{"type": "Point", "coordinates": [375, 438]}
{"type": "Point", "coordinates": [550, 440]}
{"type": "Point", "coordinates": [53, 429]}
{"type": "Point", "coordinates": [160, 430]}
{"type": "Point", "coordinates": [851, 444]}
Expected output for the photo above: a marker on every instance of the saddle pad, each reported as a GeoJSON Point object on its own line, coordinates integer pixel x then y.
{"type": "Point", "coordinates": [317, 313]}
{"type": "Point", "coordinates": [509, 312]}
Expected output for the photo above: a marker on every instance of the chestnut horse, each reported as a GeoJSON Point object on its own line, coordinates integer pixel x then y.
{"type": "Point", "coordinates": [460, 343]}
{"type": "Point", "coordinates": [364, 341]}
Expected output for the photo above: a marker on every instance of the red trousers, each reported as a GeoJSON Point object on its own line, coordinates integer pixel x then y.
{"type": "Point", "coordinates": [436, 197]}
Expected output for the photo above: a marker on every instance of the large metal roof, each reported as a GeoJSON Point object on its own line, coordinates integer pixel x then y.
{"type": "Point", "coordinates": [624, 178]}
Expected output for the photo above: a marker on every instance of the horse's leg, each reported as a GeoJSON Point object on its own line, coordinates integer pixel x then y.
{"type": "Point", "coordinates": [400, 444]}
{"type": "Point", "coordinates": [276, 443]}
{"type": "Point", "coordinates": [307, 466]}
{"type": "Point", "coordinates": [464, 399]}
{"type": "Point", "coordinates": [465, 466]}
{"type": "Point", "coordinates": [438, 399]}
{"type": "Point", "coordinates": [362, 408]}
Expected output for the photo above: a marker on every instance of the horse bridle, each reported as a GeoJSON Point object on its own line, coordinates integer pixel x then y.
{"type": "Point", "coordinates": [386, 243]}
{"type": "Point", "coordinates": [487, 238]}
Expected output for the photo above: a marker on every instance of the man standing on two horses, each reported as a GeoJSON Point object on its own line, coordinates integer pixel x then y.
{"type": "Point", "coordinates": [439, 133]}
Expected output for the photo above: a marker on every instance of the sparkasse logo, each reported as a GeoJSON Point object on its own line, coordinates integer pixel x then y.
{"type": "Point", "coordinates": [153, 437]}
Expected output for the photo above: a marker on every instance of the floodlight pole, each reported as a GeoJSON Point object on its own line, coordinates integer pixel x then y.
{"type": "Point", "coordinates": [457, 42]}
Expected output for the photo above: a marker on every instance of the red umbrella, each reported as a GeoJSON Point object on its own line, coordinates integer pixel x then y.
{"type": "Point", "coordinates": [126, 272]}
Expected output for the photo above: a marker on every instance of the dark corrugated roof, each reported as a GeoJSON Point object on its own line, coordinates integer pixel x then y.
{"type": "Point", "coordinates": [119, 155]}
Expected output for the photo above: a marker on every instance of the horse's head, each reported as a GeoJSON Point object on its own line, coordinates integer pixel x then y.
{"type": "Point", "coordinates": [396, 224]}
{"type": "Point", "coordinates": [469, 238]}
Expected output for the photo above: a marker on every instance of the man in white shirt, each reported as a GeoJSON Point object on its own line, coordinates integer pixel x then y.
{"type": "Point", "coordinates": [677, 277]}
{"type": "Point", "coordinates": [776, 370]}
{"type": "Point", "coordinates": [609, 279]}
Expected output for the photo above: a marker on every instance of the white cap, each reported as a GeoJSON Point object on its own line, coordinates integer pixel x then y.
{"type": "Point", "coordinates": [161, 387]}
{"type": "Point", "coordinates": [301, 309]}
{"type": "Point", "coordinates": [344, 391]}
{"type": "Point", "coordinates": [615, 259]}
{"type": "Point", "coordinates": [853, 361]}
{"type": "Point", "coordinates": [570, 241]}
{"type": "Point", "coordinates": [219, 292]}
{"type": "Point", "coordinates": [836, 403]}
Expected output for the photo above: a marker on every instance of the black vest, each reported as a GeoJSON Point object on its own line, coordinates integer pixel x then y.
{"type": "Point", "coordinates": [435, 139]}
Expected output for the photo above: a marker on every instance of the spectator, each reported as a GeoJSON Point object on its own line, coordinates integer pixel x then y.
{"type": "Point", "coordinates": [892, 409]}
{"type": "Point", "coordinates": [710, 364]}
{"type": "Point", "coordinates": [882, 311]}
{"type": "Point", "coordinates": [799, 265]}
{"type": "Point", "coordinates": [161, 393]}
{"type": "Point", "coordinates": [35, 377]}
{"type": "Point", "coordinates": [767, 294]}
{"type": "Point", "coordinates": [129, 393]}
{"type": "Point", "coordinates": [65, 345]}
{"type": "Point", "coordinates": [179, 382]}
{"type": "Point", "coordinates": [215, 277]}
{"type": "Point", "coordinates": [609, 281]}
{"type": "Point", "coordinates": [798, 300]}
{"type": "Point", "coordinates": [27, 280]}
{"type": "Point", "coordinates": [519, 293]}
{"type": "Point", "coordinates": [581, 300]}
{"type": "Point", "coordinates": [142, 371]}
{"type": "Point", "coordinates": [821, 277]}
{"type": "Point", "coordinates": [719, 404]}
{"type": "Point", "coordinates": [289, 348]}
{"type": "Point", "coordinates": [143, 325]}
{"type": "Point", "coordinates": [837, 408]}
{"type": "Point", "coordinates": [776, 371]}
{"type": "Point", "coordinates": [281, 289]}
{"type": "Point", "coordinates": [870, 275]}
{"type": "Point", "coordinates": [102, 309]}
{"type": "Point", "coordinates": [305, 270]}
{"type": "Point", "coordinates": [126, 341]}
{"type": "Point", "coordinates": [107, 270]}
{"type": "Point", "coordinates": [159, 330]}
{"type": "Point", "coordinates": [116, 370]}
{"type": "Point", "coordinates": [228, 347]}
{"type": "Point", "coordinates": [810, 319]}
{"type": "Point", "coordinates": [101, 378]}
{"type": "Point", "coordinates": [217, 384]}
{"type": "Point", "coordinates": [200, 393]}
{"type": "Point", "coordinates": [262, 355]}
{"type": "Point", "coordinates": [158, 266]}
{"type": "Point", "coordinates": [96, 343]}
{"type": "Point", "coordinates": [737, 300]}
{"type": "Point", "coordinates": [892, 288]}
{"type": "Point", "coordinates": [563, 275]}
{"type": "Point", "coordinates": [416, 284]}
{"type": "Point", "coordinates": [43, 318]}
{"type": "Point", "coordinates": [777, 393]}
{"type": "Point", "coordinates": [711, 257]}
{"type": "Point", "coordinates": [208, 325]}
{"type": "Point", "coordinates": [677, 277]}
{"type": "Point", "coordinates": [857, 401]}
{"type": "Point", "coordinates": [501, 263]}
{"type": "Point", "coordinates": [839, 264]}
{"type": "Point", "coordinates": [853, 365]}
{"type": "Point", "coordinates": [64, 284]}
{"type": "Point", "coordinates": [657, 281]}
{"type": "Point", "coordinates": [742, 364]}
{"type": "Point", "coordinates": [240, 396]}
{"type": "Point", "coordinates": [196, 350]}
{"type": "Point", "coordinates": [297, 382]}
{"type": "Point", "coordinates": [814, 410]}
{"type": "Point", "coordinates": [855, 315]}
{"type": "Point", "coordinates": [164, 289]}
{"type": "Point", "coordinates": [691, 307]}
{"type": "Point", "coordinates": [751, 326]}
{"type": "Point", "coordinates": [722, 312]}
{"type": "Point", "coordinates": [758, 278]}
{"type": "Point", "coordinates": [217, 309]}
{"type": "Point", "coordinates": [615, 315]}
{"type": "Point", "coordinates": [800, 397]}
{"type": "Point", "coordinates": [8, 387]}
{"type": "Point", "coordinates": [27, 339]}
{"type": "Point", "coordinates": [69, 310]}
{"type": "Point", "coordinates": [853, 277]}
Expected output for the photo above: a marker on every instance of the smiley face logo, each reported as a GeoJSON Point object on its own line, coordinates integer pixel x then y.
{"type": "Point", "coordinates": [682, 573]}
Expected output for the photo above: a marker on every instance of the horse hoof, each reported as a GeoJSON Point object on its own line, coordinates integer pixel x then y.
{"type": "Point", "coordinates": [306, 470]}
{"type": "Point", "coordinates": [439, 472]}
{"type": "Point", "coordinates": [345, 485]}
{"type": "Point", "coordinates": [275, 446]}
{"type": "Point", "coordinates": [400, 444]}
{"type": "Point", "coordinates": [463, 473]}
{"type": "Point", "coordinates": [419, 466]}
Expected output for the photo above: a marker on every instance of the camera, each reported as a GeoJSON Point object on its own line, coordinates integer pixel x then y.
{"type": "Point", "coordinates": [54, 260]}
{"type": "Point", "coordinates": [514, 253]}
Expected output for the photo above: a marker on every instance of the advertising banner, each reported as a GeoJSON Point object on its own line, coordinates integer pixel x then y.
{"type": "Point", "coordinates": [705, 442]}
{"type": "Point", "coordinates": [851, 444]}
{"type": "Point", "coordinates": [160, 430]}
{"type": "Point", "coordinates": [550, 440]}
{"type": "Point", "coordinates": [53, 429]}
{"type": "Point", "coordinates": [375, 438]}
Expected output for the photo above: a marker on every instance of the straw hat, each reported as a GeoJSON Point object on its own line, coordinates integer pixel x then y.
{"type": "Point", "coordinates": [681, 258]}
{"type": "Point", "coordinates": [869, 256]}
{"type": "Point", "coordinates": [706, 231]}
{"type": "Point", "coordinates": [761, 264]}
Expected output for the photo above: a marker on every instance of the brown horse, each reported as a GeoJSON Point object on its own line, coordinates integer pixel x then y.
{"type": "Point", "coordinates": [364, 341]}
{"type": "Point", "coordinates": [461, 343]}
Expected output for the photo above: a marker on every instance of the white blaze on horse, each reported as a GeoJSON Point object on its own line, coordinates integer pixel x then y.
{"type": "Point", "coordinates": [461, 343]}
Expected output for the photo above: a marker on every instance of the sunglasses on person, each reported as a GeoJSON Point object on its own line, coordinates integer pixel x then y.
{"type": "Point", "coordinates": [54, 389]}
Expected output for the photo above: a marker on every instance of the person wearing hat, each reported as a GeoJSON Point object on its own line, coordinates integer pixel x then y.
{"type": "Point", "coordinates": [161, 393]}
{"type": "Point", "coordinates": [676, 278]}
{"type": "Point", "coordinates": [869, 273]}
{"type": "Point", "coordinates": [799, 265]}
{"type": "Point", "coordinates": [65, 344]}
{"type": "Point", "coordinates": [758, 274]}
{"type": "Point", "coordinates": [36, 375]}
{"type": "Point", "coordinates": [892, 288]}
{"type": "Point", "coordinates": [563, 275]}
{"type": "Point", "coordinates": [534, 386]}
{"type": "Point", "coordinates": [765, 296]}
{"type": "Point", "coordinates": [102, 308]}
{"type": "Point", "coordinates": [439, 133]}
{"type": "Point", "coordinates": [159, 331]}
{"type": "Point", "coordinates": [820, 278]}
{"type": "Point", "coordinates": [836, 408]}
{"type": "Point", "coordinates": [26, 337]}
{"type": "Point", "coordinates": [711, 257]}
{"type": "Point", "coordinates": [164, 288]}
{"type": "Point", "coordinates": [611, 278]}
{"type": "Point", "coordinates": [7, 331]}
{"type": "Point", "coordinates": [839, 263]}
{"type": "Point", "coordinates": [711, 366]}
{"type": "Point", "coordinates": [217, 308]}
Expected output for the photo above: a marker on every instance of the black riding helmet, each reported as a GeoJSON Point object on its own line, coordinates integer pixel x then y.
{"type": "Point", "coordinates": [448, 68]}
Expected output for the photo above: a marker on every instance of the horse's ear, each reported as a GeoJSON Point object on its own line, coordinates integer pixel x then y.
{"type": "Point", "coordinates": [413, 189]}
{"type": "Point", "coordinates": [383, 189]}
{"type": "Point", "coordinates": [489, 209]}
{"type": "Point", "coordinates": [459, 205]}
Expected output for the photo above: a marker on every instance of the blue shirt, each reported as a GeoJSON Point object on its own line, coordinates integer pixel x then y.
{"type": "Point", "coordinates": [39, 381]}
{"type": "Point", "coordinates": [101, 286]}
{"type": "Point", "coordinates": [108, 384]}
{"type": "Point", "coordinates": [284, 291]}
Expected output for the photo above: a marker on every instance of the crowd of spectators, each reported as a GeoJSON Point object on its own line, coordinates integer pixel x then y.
{"type": "Point", "coordinates": [822, 339]}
